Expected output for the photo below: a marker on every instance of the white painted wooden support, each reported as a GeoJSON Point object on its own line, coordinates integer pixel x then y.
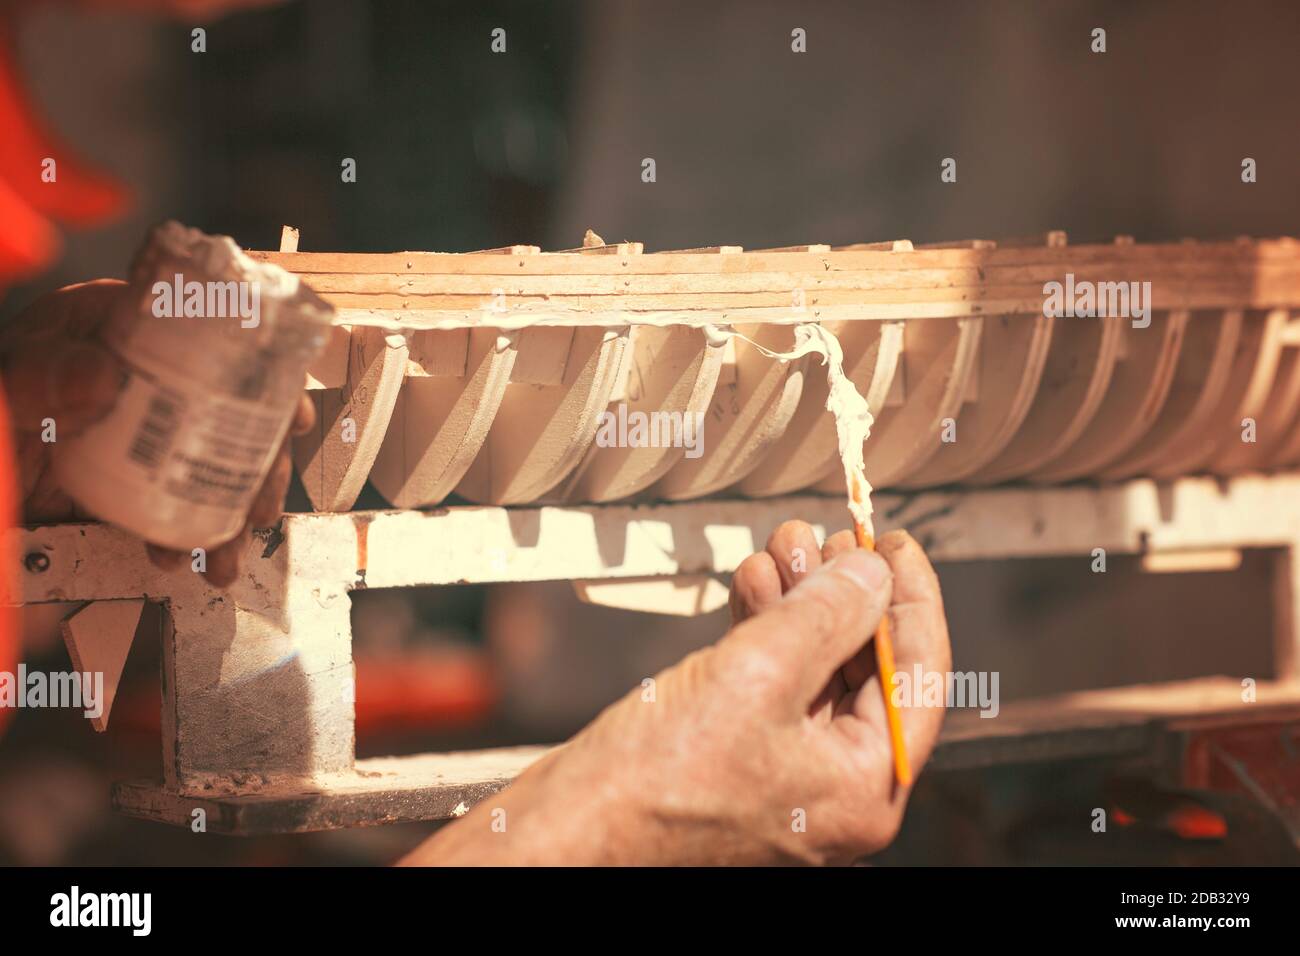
{"type": "Point", "coordinates": [1180, 562]}
{"type": "Point", "coordinates": [259, 686]}
{"type": "Point", "coordinates": [683, 596]}
{"type": "Point", "coordinates": [257, 680]}
{"type": "Point", "coordinates": [472, 544]}
{"type": "Point", "coordinates": [436, 786]}
{"type": "Point", "coordinates": [487, 544]}
{"type": "Point", "coordinates": [98, 638]}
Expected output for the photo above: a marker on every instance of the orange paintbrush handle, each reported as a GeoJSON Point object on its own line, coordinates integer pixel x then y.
{"type": "Point", "coordinates": [885, 668]}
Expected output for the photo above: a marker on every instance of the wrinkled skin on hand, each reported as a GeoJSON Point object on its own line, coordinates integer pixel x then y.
{"type": "Point", "coordinates": [782, 719]}
{"type": "Point", "coordinates": [53, 366]}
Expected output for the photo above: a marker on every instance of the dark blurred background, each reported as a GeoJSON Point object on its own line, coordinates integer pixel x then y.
{"type": "Point", "coordinates": [459, 148]}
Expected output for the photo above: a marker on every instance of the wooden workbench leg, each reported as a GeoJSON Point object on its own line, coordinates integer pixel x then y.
{"type": "Point", "coordinates": [1286, 613]}
{"type": "Point", "coordinates": [257, 684]}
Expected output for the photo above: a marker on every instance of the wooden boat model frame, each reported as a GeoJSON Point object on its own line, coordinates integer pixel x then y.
{"type": "Point", "coordinates": [487, 373]}
{"type": "Point", "coordinates": [498, 406]}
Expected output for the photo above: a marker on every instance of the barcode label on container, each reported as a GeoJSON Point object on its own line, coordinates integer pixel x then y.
{"type": "Point", "coordinates": [157, 428]}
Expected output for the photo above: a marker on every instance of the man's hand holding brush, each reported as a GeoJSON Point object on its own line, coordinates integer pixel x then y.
{"type": "Point", "coordinates": [771, 746]}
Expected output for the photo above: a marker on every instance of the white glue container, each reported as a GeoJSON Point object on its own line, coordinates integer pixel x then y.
{"type": "Point", "coordinates": [214, 349]}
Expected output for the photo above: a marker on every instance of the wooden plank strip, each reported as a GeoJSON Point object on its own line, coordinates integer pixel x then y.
{"type": "Point", "coordinates": [506, 251]}
{"type": "Point", "coordinates": [595, 316]}
{"type": "Point", "coordinates": [892, 245]}
{"type": "Point", "coordinates": [994, 280]}
{"type": "Point", "coordinates": [1165, 295]}
{"type": "Point", "coordinates": [705, 250]}
{"type": "Point", "coordinates": [960, 244]}
{"type": "Point", "coordinates": [592, 244]}
{"type": "Point", "coordinates": [1190, 257]}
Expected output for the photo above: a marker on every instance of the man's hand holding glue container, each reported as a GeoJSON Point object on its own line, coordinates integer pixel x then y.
{"type": "Point", "coordinates": [163, 405]}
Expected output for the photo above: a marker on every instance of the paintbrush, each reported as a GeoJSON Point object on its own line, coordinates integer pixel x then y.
{"type": "Point", "coordinates": [885, 662]}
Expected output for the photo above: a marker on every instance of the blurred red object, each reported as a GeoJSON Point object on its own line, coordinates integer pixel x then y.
{"type": "Point", "coordinates": [41, 172]}
{"type": "Point", "coordinates": [423, 690]}
{"type": "Point", "coordinates": [395, 694]}
{"type": "Point", "coordinates": [27, 240]}
{"type": "Point", "coordinates": [1137, 801]}
{"type": "Point", "coordinates": [9, 562]}
{"type": "Point", "coordinates": [40, 180]}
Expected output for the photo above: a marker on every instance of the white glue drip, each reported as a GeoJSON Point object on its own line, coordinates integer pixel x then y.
{"type": "Point", "coordinates": [852, 415]}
